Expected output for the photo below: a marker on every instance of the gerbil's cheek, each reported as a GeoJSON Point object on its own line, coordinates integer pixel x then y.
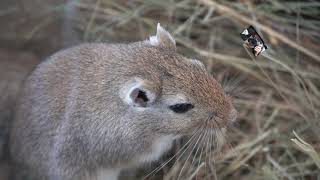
{"type": "Point", "coordinates": [183, 124]}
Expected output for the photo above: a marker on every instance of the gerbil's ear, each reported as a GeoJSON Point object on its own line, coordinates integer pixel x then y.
{"type": "Point", "coordinates": [138, 93]}
{"type": "Point", "coordinates": [163, 38]}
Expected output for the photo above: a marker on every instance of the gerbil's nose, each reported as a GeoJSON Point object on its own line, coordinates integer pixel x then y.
{"type": "Point", "coordinates": [233, 115]}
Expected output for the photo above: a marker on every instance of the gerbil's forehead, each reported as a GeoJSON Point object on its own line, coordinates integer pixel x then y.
{"type": "Point", "coordinates": [180, 75]}
{"type": "Point", "coordinates": [192, 80]}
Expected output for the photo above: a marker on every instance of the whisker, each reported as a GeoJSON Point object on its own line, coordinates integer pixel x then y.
{"type": "Point", "coordinates": [201, 128]}
{"type": "Point", "coordinates": [199, 146]}
{"type": "Point", "coordinates": [205, 137]}
{"type": "Point", "coordinates": [229, 145]}
{"type": "Point", "coordinates": [200, 137]}
{"type": "Point", "coordinates": [206, 156]}
{"type": "Point", "coordinates": [210, 158]}
{"type": "Point", "coordinates": [210, 148]}
{"type": "Point", "coordinates": [216, 136]}
{"type": "Point", "coordinates": [232, 85]}
{"type": "Point", "coordinates": [157, 169]}
{"type": "Point", "coordinates": [200, 131]}
{"type": "Point", "coordinates": [195, 155]}
{"type": "Point", "coordinates": [200, 159]}
{"type": "Point", "coordinates": [213, 135]}
{"type": "Point", "coordinates": [214, 171]}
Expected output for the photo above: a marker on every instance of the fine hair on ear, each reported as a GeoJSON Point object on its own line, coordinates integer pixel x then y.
{"type": "Point", "coordinates": [163, 39]}
{"type": "Point", "coordinates": [138, 92]}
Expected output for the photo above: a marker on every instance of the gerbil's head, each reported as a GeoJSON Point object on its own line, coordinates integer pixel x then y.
{"type": "Point", "coordinates": [167, 93]}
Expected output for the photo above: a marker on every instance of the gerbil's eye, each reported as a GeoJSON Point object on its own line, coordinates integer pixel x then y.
{"type": "Point", "coordinates": [181, 108]}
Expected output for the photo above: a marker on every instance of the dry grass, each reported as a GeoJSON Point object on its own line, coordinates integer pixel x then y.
{"type": "Point", "coordinates": [277, 94]}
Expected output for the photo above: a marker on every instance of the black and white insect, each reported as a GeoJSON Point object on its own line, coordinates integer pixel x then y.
{"type": "Point", "coordinates": [253, 40]}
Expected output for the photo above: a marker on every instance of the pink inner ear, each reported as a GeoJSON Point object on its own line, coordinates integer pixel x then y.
{"type": "Point", "coordinates": [162, 38]}
{"type": "Point", "coordinates": [139, 97]}
{"type": "Point", "coordinates": [165, 38]}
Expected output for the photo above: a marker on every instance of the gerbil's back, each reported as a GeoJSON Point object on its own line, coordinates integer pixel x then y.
{"type": "Point", "coordinates": [48, 96]}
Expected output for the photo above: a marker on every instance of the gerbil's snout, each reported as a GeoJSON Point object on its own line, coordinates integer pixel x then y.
{"type": "Point", "coordinates": [217, 120]}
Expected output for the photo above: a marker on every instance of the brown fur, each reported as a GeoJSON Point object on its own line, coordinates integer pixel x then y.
{"type": "Point", "coordinates": [73, 118]}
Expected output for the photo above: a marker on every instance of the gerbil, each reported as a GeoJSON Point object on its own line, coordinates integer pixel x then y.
{"type": "Point", "coordinates": [90, 111]}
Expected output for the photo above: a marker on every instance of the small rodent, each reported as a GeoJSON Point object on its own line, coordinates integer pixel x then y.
{"type": "Point", "coordinates": [90, 111]}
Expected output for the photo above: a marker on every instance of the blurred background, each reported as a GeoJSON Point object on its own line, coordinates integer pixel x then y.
{"type": "Point", "coordinates": [277, 94]}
